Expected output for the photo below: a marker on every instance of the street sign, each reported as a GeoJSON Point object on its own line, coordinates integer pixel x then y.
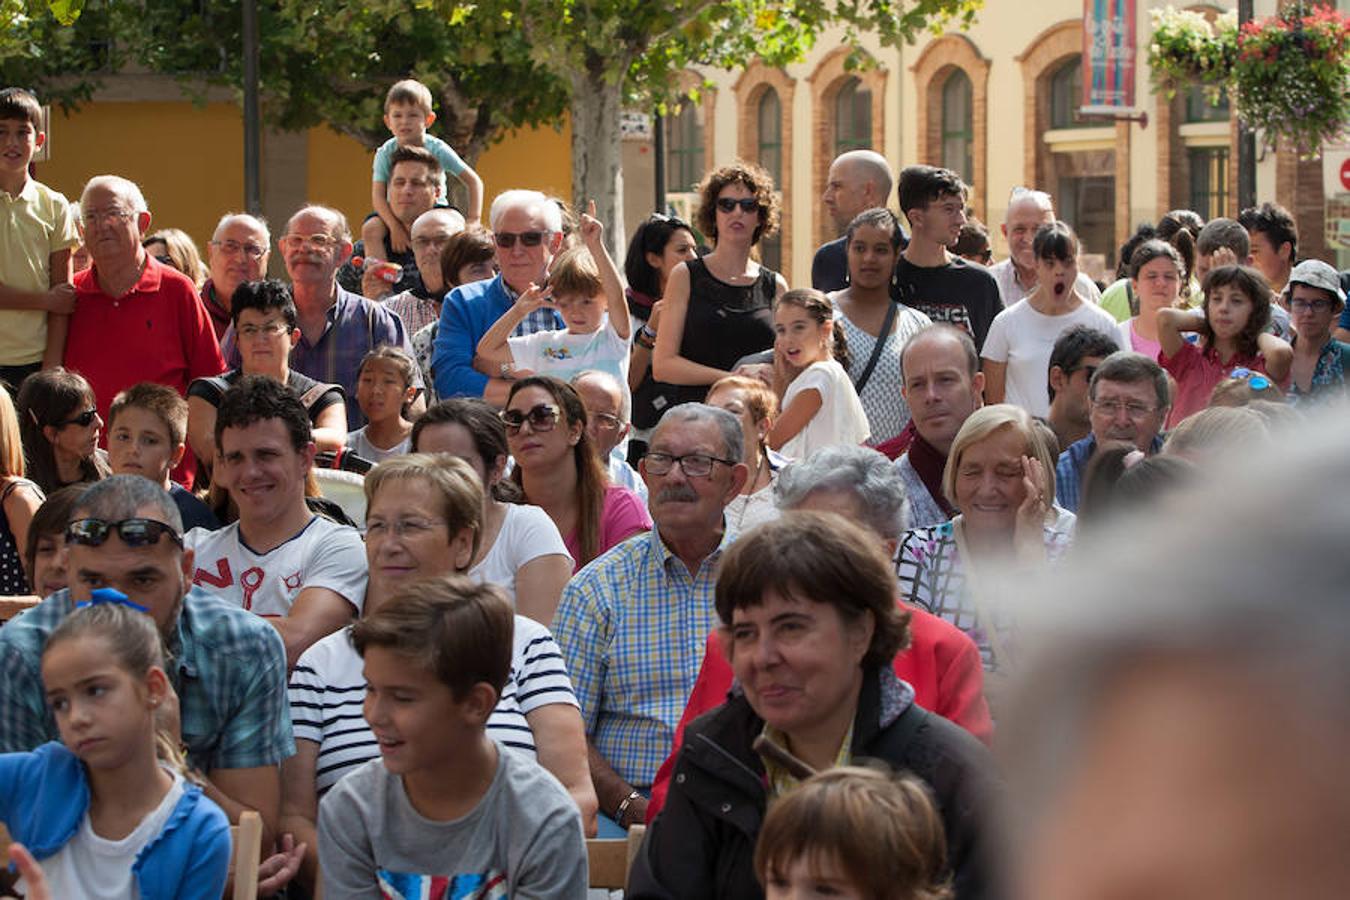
{"type": "Point", "coordinates": [1335, 169]}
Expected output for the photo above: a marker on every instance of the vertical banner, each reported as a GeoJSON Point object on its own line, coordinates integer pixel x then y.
{"type": "Point", "coordinates": [1109, 49]}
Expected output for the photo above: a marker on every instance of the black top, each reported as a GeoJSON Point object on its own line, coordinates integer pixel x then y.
{"type": "Point", "coordinates": [13, 581]}
{"type": "Point", "coordinates": [725, 321]}
{"type": "Point", "coordinates": [195, 513]}
{"type": "Point", "coordinates": [960, 292]}
{"type": "Point", "coordinates": [212, 389]}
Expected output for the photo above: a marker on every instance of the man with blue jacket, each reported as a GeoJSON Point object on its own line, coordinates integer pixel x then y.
{"type": "Point", "coordinates": [527, 228]}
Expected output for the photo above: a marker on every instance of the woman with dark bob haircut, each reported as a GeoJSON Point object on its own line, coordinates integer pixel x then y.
{"type": "Point", "coordinates": [719, 308]}
{"type": "Point", "coordinates": [810, 625]}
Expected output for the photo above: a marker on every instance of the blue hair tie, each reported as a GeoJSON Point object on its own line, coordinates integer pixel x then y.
{"type": "Point", "coordinates": [112, 595]}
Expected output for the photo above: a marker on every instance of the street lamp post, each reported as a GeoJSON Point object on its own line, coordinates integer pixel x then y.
{"type": "Point", "coordinates": [1246, 168]}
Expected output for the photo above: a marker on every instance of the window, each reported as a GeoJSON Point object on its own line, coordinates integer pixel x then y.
{"type": "Point", "coordinates": [852, 117]}
{"type": "Point", "coordinates": [769, 121]}
{"type": "Point", "coordinates": [1209, 181]}
{"type": "Point", "coordinates": [1066, 95]}
{"type": "Point", "coordinates": [1088, 204]}
{"type": "Point", "coordinates": [1199, 109]}
{"type": "Point", "coordinates": [958, 129]}
{"type": "Point", "coordinates": [684, 148]}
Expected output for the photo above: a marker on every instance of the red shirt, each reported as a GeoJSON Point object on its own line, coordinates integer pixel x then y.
{"type": "Point", "coordinates": [1197, 372]}
{"type": "Point", "coordinates": [159, 331]}
{"type": "Point", "coordinates": [942, 664]}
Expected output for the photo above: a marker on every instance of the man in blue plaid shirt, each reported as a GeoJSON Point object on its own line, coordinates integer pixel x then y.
{"type": "Point", "coordinates": [633, 623]}
{"type": "Point", "coordinates": [228, 666]}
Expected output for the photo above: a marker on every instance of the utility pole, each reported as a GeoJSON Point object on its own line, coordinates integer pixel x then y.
{"type": "Point", "coordinates": [659, 148]}
{"type": "Point", "coordinates": [252, 120]}
{"type": "Point", "coordinates": [1246, 186]}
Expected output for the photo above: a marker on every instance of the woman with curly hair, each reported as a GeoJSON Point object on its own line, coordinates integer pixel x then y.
{"type": "Point", "coordinates": [719, 308]}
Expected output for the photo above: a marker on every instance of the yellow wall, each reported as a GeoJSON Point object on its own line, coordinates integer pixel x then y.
{"type": "Point", "coordinates": [188, 161]}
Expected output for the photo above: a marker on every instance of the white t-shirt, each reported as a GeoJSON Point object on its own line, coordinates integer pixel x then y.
{"type": "Point", "coordinates": [527, 533]}
{"type": "Point", "coordinates": [624, 475]}
{"type": "Point", "coordinates": [322, 554]}
{"type": "Point", "coordinates": [89, 867]}
{"type": "Point", "coordinates": [841, 418]}
{"type": "Point", "coordinates": [328, 687]}
{"type": "Point", "coordinates": [358, 443]}
{"type": "Point", "coordinates": [564, 355]}
{"type": "Point", "coordinates": [1023, 338]}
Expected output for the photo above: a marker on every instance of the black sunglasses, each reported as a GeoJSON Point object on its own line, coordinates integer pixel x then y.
{"type": "Point", "coordinates": [542, 418]}
{"type": "Point", "coordinates": [507, 239]}
{"type": "Point", "coordinates": [133, 532]}
{"type": "Point", "coordinates": [82, 420]}
{"type": "Point", "coordinates": [729, 204]}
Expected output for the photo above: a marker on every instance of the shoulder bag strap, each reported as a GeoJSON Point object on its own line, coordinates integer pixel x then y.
{"type": "Point", "coordinates": [886, 326]}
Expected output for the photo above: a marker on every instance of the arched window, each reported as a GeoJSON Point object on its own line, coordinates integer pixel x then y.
{"type": "Point", "coordinates": [958, 128]}
{"type": "Point", "coordinates": [1066, 95]}
{"type": "Point", "coordinates": [852, 117]}
{"type": "Point", "coordinates": [684, 148]}
{"type": "Point", "coordinates": [769, 121]}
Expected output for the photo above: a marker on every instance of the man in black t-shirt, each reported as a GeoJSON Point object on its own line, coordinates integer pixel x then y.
{"type": "Point", "coordinates": [928, 277]}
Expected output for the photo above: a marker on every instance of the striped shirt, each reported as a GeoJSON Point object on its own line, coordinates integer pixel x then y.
{"type": "Point", "coordinates": [229, 670]}
{"type": "Point", "coordinates": [632, 626]}
{"type": "Point", "coordinates": [328, 688]}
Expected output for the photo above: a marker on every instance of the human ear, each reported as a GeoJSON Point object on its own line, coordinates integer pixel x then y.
{"type": "Point", "coordinates": [461, 548]}
{"type": "Point", "coordinates": [156, 685]}
{"type": "Point", "coordinates": [178, 450]}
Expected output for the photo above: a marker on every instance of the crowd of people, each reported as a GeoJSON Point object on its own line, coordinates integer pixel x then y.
{"type": "Point", "coordinates": [465, 543]}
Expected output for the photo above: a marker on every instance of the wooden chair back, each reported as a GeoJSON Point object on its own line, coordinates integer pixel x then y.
{"type": "Point", "coordinates": [247, 837]}
{"type": "Point", "coordinates": [611, 858]}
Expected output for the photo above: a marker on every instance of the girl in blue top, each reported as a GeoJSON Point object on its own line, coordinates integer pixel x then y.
{"type": "Point", "coordinates": [107, 812]}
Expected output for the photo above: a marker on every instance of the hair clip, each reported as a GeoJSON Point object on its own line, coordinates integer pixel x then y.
{"type": "Point", "coordinates": [111, 595]}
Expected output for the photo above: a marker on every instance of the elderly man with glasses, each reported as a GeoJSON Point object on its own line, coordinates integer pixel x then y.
{"type": "Point", "coordinates": [1128, 399]}
{"type": "Point", "coordinates": [527, 228]}
{"type": "Point", "coordinates": [238, 252]}
{"type": "Point", "coordinates": [135, 319]}
{"type": "Point", "coordinates": [228, 671]}
{"type": "Point", "coordinates": [337, 328]}
{"type": "Point", "coordinates": [632, 623]}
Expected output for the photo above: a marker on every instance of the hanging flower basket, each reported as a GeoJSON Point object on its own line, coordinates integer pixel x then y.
{"type": "Point", "coordinates": [1290, 76]}
{"type": "Point", "coordinates": [1188, 49]}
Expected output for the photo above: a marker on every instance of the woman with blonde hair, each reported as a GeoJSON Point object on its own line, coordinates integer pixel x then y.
{"type": "Point", "coordinates": [175, 247]}
{"type": "Point", "coordinates": [1000, 477]}
{"type": "Point", "coordinates": [19, 500]}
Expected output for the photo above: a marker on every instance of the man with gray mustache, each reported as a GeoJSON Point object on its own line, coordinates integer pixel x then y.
{"type": "Point", "coordinates": [632, 623]}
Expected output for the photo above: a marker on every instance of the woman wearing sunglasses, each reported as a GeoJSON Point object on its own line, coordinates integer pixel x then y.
{"type": "Point", "coordinates": [558, 470]}
{"type": "Point", "coordinates": [59, 423]}
{"type": "Point", "coordinates": [718, 309]}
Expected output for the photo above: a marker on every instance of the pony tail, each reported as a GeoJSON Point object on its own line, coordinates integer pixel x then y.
{"type": "Point", "coordinates": [1184, 242]}
{"type": "Point", "coordinates": [174, 756]}
{"type": "Point", "coordinates": [840, 349]}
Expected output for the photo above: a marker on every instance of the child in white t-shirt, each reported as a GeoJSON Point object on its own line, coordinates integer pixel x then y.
{"type": "Point", "coordinates": [384, 387]}
{"type": "Point", "coordinates": [582, 284]}
{"type": "Point", "coordinates": [820, 407]}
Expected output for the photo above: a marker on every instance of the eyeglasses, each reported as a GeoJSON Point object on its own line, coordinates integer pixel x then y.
{"type": "Point", "coordinates": [95, 218]}
{"type": "Point", "coordinates": [542, 418]}
{"type": "Point", "coordinates": [83, 420]}
{"type": "Point", "coordinates": [319, 242]}
{"type": "Point", "coordinates": [426, 243]}
{"type": "Point", "coordinates": [133, 532]}
{"type": "Point", "coordinates": [1255, 380]}
{"type": "Point", "coordinates": [507, 239]}
{"type": "Point", "coordinates": [1132, 409]}
{"type": "Point", "coordinates": [694, 465]}
{"type": "Point", "coordinates": [606, 422]}
{"type": "Point", "coordinates": [268, 329]}
{"type": "Point", "coordinates": [1300, 305]}
{"type": "Point", "coordinates": [729, 204]}
{"type": "Point", "coordinates": [410, 528]}
{"type": "Point", "coordinates": [233, 248]}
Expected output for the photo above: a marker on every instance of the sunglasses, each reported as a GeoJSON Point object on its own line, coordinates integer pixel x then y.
{"type": "Point", "coordinates": [83, 419]}
{"type": "Point", "coordinates": [729, 204]}
{"type": "Point", "coordinates": [542, 418]}
{"type": "Point", "coordinates": [1255, 380]}
{"type": "Point", "coordinates": [133, 532]}
{"type": "Point", "coordinates": [507, 239]}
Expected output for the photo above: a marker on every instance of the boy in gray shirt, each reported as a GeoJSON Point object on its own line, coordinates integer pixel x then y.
{"type": "Point", "coordinates": [445, 811]}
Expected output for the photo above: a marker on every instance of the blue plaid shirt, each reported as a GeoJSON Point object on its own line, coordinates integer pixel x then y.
{"type": "Point", "coordinates": [1072, 464]}
{"type": "Point", "coordinates": [632, 626]}
{"type": "Point", "coordinates": [355, 327]}
{"type": "Point", "coordinates": [229, 669]}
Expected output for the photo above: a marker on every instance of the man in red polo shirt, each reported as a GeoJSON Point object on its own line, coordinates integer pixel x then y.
{"type": "Point", "coordinates": [135, 318]}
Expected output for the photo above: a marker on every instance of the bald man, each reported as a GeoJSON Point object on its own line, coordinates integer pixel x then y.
{"type": "Point", "coordinates": [1016, 276]}
{"type": "Point", "coordinates": [858, 180]}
